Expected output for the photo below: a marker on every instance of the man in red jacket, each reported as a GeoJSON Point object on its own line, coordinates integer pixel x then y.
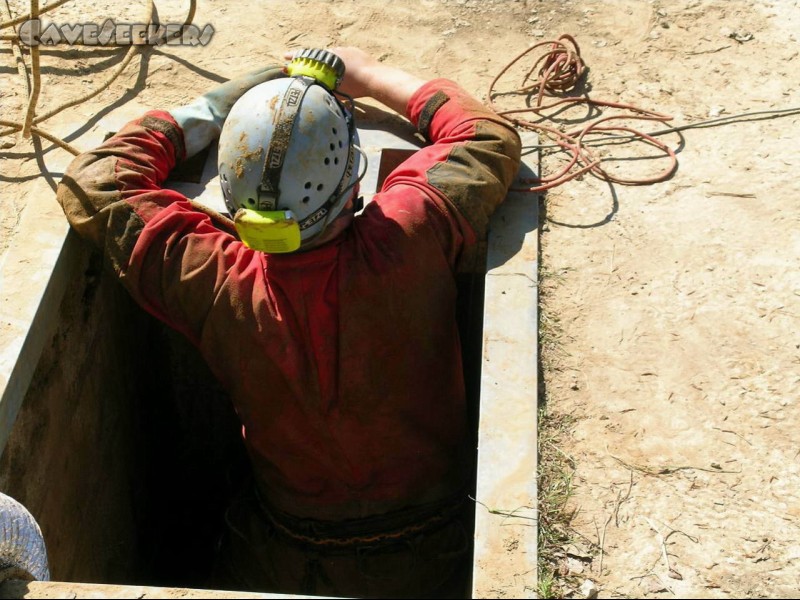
{"type": "Point", "coordinates": [341, 357]}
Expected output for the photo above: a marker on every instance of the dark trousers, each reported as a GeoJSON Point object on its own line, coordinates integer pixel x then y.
{"type": "Point", "coordinates": [255, 555]}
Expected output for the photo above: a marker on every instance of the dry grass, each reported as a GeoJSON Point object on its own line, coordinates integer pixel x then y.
{"type": "Point", "coordinates": [555, 488]}
{"type": "Point", "coordinates": [555, 468]}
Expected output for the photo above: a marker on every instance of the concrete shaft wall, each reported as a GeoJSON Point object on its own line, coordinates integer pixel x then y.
{"type": "Point", "coordinates": [124, 449]}
{"type": "Point", "coordinates": [72, 456]}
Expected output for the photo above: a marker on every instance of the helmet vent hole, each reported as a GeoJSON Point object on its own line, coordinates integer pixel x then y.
{"type": "Point", "coordinates": [340, 144]}
{"type": "Point", "coordinates": [307, 185]}
{"type": "Point", "coordinates": [336, 160]}
{"type": "Point", "coordinates": [250, 201]}
{"type": "Point", "coordinates": [319, 187]}
{"type": "Point", "coordinates": [334, 131]}
{"type": "Point", "coordinates": [306, 199]}
{"type": "Point", "coordinates": [223, 177]}
{"type": "Point", "coordinates": [327, 160]}
{"type": "Point", "coordinates": [332, 146]}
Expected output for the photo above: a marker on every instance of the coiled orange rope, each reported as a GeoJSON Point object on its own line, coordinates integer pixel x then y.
{"type": "Point", "coordinates": [559, 71]}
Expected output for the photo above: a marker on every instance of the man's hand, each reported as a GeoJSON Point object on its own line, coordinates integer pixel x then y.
{"type": "Point", "coordinates": [360, 69]}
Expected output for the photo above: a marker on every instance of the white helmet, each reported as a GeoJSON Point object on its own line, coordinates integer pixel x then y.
{"type": "Point", "coordinates": [289, 145]}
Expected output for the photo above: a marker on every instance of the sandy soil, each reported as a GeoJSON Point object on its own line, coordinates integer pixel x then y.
{"type": "Point", "coordinates": [678, 302]}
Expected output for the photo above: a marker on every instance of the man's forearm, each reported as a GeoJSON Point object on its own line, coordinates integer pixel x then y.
{"type": "Point", "coordinates": [365, 76]}
{"type": "Point", "coordinates": [393, 87]}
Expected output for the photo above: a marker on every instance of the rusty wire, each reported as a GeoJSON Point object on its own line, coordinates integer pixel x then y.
{"type": "Point", "coordinates": [16, 21]}
{"type": "Point", "coordinates": [559, 71]}
{"type": "Point", "coordinates": [29, 125]}
{"type": "Point", "coordinates": [33, 96]}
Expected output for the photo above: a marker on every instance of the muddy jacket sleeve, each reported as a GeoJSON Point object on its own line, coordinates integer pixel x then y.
{"type": "Point", "coordinates": [463, 175]}
{"type": "Point", "coordinates": [172, 256]}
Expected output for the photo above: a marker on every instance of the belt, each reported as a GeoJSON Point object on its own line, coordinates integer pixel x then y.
{"type": "Point", "coordinates": [375, 530]}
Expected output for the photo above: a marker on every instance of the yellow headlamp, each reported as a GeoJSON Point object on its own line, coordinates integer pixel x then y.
{"type": "Point", "coordinates": [324, 66]}
{"type": "Point", "coordinates": [273, 231]}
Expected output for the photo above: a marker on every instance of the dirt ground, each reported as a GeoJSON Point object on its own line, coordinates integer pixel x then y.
{"type": "Point", "coordinates": [678, 350]}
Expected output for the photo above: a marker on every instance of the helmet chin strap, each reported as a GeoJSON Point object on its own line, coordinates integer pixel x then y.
{"type": "Point", "coordinates": [346, 190]}
{"type": "Point", "coordinates": [325, 211]}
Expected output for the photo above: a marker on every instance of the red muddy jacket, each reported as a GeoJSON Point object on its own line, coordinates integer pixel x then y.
{"type": "Point", "coordinates": [343, 363]}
